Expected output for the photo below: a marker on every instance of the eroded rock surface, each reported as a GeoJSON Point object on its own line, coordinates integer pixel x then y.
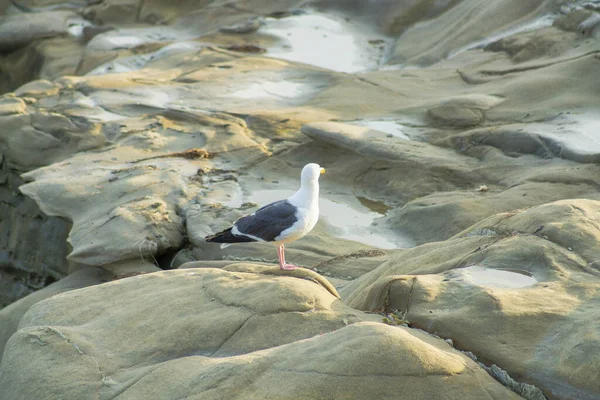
{"type": "Point", "coordinates": [461, 198]}
{"type": "Point", "coordinates": [533, 271]}
{"type": "Point", "coordinates": [264, 329]}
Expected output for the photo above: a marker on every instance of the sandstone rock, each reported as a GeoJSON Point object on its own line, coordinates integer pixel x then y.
{"type": "Point", "coordinates": [549, 42]}
{"type": "Point", "coordinates": [432, 285]}
{"type": "Point", "coordinates": [461, 24]}
{"type": "Point", "coordinates": [169, 137]}
{"type": "Point", "coordinates": [18, 30]}
{"type": "Point", "coordinates": [463, 111]}
{"type": "Point", "coordinates": [225, 329]}
{"type": "Point", "coordinates": [33, 249]}
{"type": "Point", "coordinates": [442, 215]}
{"type": "Point", "coordinates": [374, 144]}
{"type": "Point", "coordinates": [11, 315]}
{"type": "Point", "coordinates": [35, 137]}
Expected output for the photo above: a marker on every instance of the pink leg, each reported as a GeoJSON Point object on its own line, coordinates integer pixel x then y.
{"type": "Point", "coordinates": [282, 263]}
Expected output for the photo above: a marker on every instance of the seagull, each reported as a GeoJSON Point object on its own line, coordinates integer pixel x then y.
{"type": "Point", "coordinates": [280, 222]}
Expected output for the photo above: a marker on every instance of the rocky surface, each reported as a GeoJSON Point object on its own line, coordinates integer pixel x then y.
{"type": "Point", "coordinates": [461, 199]}
{"type": "Point", "coordinates": [264, 331]}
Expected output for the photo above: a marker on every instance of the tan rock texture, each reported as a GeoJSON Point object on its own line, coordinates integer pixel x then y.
{"type": "Point", "coordinates": [269, 337]}
{"type": "Point", "coordinates": [461, 199]}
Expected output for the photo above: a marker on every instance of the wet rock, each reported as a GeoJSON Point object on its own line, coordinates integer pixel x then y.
{"type": "Point", "coordinates": [240, 329]}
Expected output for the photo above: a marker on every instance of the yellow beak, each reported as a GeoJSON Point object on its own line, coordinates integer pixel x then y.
{"type": "Point", "coordinates": [322, 170]}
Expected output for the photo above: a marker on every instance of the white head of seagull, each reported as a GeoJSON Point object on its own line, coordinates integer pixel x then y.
{"type": "Point", "coordinates": [310, 173]}
{"type": "Point", "coordinates": [279, 222]}
{"type": "Point", "coordinates": [308, 194]}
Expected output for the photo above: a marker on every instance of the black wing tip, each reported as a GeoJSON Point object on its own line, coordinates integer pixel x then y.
{"type": "Point", "coordinates": [227, 237]}
{"type": "Point", "coordinates": [217, 237]}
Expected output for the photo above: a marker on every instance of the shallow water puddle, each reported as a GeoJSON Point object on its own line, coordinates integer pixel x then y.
{"type": "Point", "coordinates": [492, 278]}
{"type": "Point", "coordinates": [538, 23]}
{"type": "Point", "coordinates": [326, 41]}
{"type": "Point", "coordinates": [579, 131]}
{"type": "Point", "coordinates": [390, 127]}
{"type": "Point", "coordinates": [348, 218]}
{"type": "Point", "coordinates": [127, 38]}
{"type": "Point", "coordinates": [377, 206]}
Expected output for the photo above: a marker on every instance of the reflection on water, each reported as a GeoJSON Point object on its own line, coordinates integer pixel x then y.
{"type": "Point", "coordinates": [390, 127]}
{"type": "Point", "coordinates": [579, 131]}
{"type": "Point", "coordinates": [349, 219]}
{"type": "Point", "coordinates": [492, 278]}
{"type": "Point", "coordinates": [378, 206]}
{"type": "Point", "coordinates": [127, 38]}
{"type": "Point", "coordinates": [326, 41]}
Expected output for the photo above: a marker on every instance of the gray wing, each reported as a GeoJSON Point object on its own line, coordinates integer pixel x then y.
{"type": "Point", "coordinates": [269, 221]}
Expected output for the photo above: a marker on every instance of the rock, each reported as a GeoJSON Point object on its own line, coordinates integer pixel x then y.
{"type": "Point", "coordinates": [462, 112]}
{"type": "Point", "coordinates": [246, 48]}
{"type": "Point", "coordinates": [440, 216]}
{"type": "Point", "coordinates": [225, 328]}
{"type": "Point", "coordinates": [250, 26]}
{"type": "Point", "coordinates": [127, 268]}
{"type": "Point", "coordinates": [18, 30]}
{"type": "Point", "coordinates": [422, 282]}
{"type": "Point", "coordinates": [34, 136]}
{"type": "Point", "coordinates": [89, 32]}
{"type": "Point", "coordinates": [143, 139]}
{"type": "Point", "coordinates": [374, 144]}
{"type": "Point", "coordinates": [301, 273]}
{"type": "Point", "coordinates": [591, 26]}
{"type": "Point", "coordinates": [11, 315]}
{"type": "Point", "coordinates": [573, 19]}
{"type": "Point", "coordinates": [454, 27]}
{"type": "Point", "coordinates": [531, 45]}
{"type": "Point", "coordinates": [138, 226]}
{"type": "Point", "coordinates": [113, 12]}
{"type": "Point", "coordinates": [12, 105]}
{"type": "Point", "coordinates": [33, 248]}
{"type": "Point", "coordinates": [509, 140]}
